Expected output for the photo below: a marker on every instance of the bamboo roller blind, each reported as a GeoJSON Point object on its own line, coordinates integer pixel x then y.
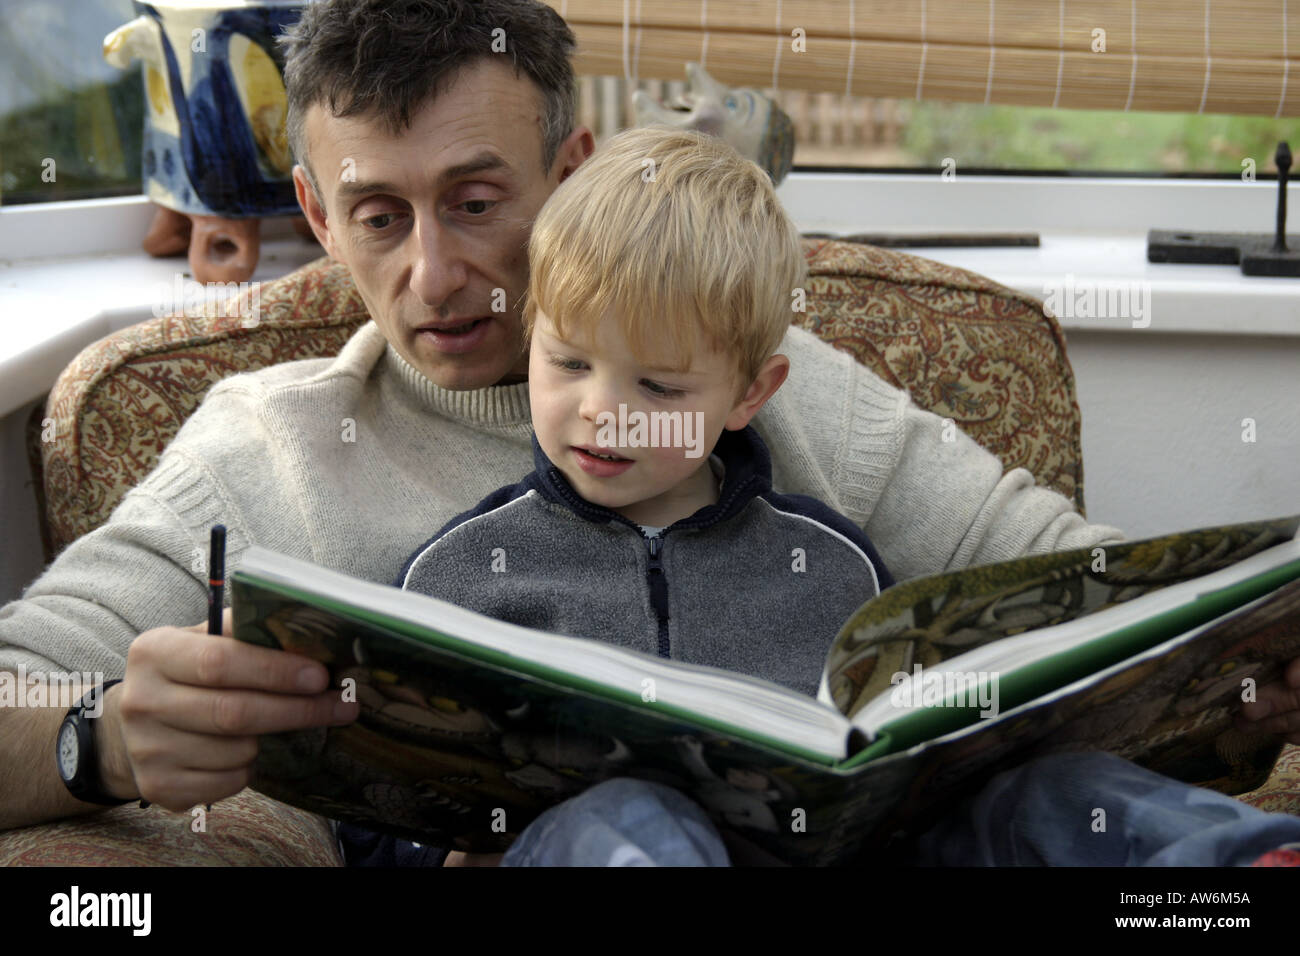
{"type": "Point", "coordinates": [1195, 56]}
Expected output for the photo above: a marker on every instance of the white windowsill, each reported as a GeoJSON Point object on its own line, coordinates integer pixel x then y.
{"type": "Point", "coordinates": [55, 306]}
{"type": "Point", "coordinates": [71, 273]}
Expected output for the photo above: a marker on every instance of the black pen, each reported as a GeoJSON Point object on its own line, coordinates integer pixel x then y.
{"type": "Point", "coordinates": [216, 577]}
{"type": "Point", "coordinates": [216, 590]}
{"type": "Point", "coordinates": [216, 580]}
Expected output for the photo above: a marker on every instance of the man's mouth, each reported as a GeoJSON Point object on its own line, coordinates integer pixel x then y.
{"type": "Point", "coordinates": [457, 336]}
{"type": "Point", "coordinates": [460, 329]}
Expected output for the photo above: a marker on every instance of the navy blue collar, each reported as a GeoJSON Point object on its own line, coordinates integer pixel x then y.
{"type": "Point", "coordinates": [748, 473]}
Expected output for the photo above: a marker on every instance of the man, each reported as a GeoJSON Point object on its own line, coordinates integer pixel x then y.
{"type": "Point", "coordinates": [424, 158]}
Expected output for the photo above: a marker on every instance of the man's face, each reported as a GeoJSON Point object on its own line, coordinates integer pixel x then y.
{"type": "Point", "coordinates": [433, 221]}
{"type": "Point", "coordinates": [571, 384]}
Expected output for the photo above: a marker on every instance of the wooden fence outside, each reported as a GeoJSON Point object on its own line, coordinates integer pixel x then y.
{"type": "Point", "coordinates": [830, 129]}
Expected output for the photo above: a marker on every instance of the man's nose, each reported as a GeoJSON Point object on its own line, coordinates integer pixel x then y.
{"type": "Point", "coordinates": [440, 269]}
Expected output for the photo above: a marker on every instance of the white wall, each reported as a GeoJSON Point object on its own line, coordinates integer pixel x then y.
{"type": "Point", "coordinates": [1162, 428]}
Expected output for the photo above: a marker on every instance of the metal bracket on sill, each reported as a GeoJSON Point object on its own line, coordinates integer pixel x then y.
{"type": "Point", "coordinates": [1259, 253]}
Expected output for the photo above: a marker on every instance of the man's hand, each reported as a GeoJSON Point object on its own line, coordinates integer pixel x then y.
{"type": "Point", "coordinates": [1276, 709]}
{"type": "Point", "coordinates": [188, 714]}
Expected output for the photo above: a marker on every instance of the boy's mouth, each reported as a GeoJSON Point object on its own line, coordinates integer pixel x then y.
{"type": "Point", "coordinates": [600, 463]}
{"type": "Point", "coordinates": [599, 453]}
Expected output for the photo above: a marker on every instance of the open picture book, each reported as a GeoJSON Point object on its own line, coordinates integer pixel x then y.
{"type": "Point", "coordinates": [470, 728]}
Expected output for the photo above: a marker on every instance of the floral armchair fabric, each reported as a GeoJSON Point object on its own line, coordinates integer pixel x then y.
{"type": "Point", "coordinates": [963, 346]}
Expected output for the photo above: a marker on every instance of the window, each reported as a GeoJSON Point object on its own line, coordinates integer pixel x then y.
{"type": "Point", "coordinates": [70, 124]}
{"type": "Point", "coordinates": [882, 134]}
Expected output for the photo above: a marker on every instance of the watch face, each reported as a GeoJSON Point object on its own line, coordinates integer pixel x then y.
{"type": "Point", "coordinates": [68, 750]}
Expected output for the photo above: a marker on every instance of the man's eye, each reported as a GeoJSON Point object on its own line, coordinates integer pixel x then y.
{"type": "Point", "coordinates": [481, 206]}
{"type": "Point", "coordinates": [382, 221]}
{"type": "Point", "coordinates": [663, 391]}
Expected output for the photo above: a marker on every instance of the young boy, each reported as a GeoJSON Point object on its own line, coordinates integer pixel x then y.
{"type": "Point", "coordinates": [662, 274]}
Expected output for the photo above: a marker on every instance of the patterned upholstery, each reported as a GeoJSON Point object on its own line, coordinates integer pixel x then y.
{"type": "Point", "coordinates": [248, 829]}
{"type": "Point", "coordinates": [963, 346]}
{"type": "Point", "coordinates": [123, 398]}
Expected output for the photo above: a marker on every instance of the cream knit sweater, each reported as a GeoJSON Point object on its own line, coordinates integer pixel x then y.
{"type": "Point", "coordinates": [353, 462]}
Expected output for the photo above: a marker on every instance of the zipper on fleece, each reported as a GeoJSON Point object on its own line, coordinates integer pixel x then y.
{"type": "Point", "coordinates": [658, 588]}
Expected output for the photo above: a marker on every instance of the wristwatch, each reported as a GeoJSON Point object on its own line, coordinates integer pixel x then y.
{"type": "Point", "coordinates": [75, 750]}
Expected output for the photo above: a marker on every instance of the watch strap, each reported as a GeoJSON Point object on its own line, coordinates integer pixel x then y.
{"type": "Point", "coordinates": [88, 787]}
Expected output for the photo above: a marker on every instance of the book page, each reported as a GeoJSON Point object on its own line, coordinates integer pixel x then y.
{"type": "Point", "coordinates": [977, 673]}
{"type": "Point", "coordinates": [929, 621]}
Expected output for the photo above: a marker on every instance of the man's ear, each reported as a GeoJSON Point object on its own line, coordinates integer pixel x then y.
{"type": "Point", "coordinates": [312, 209]}
{"type": "Point", "coordinates": [573, 152]}
{"type": "Point", "coordinates": [769, 378]}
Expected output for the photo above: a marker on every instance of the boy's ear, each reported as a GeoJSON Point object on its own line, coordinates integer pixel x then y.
{"type": "Point", "coordinates": [769, 378]}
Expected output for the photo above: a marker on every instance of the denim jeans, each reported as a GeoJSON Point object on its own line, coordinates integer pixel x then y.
{"type": "Point", "coordinates": [1084, 809]}
{"type": "Point", "coordinates": [621, 822]}
{"type": "Point", "coordinates": [1096, 809]}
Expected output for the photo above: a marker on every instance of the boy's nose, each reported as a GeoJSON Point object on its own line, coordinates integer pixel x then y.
{"type": "Point", "coordinates": [596, 399]}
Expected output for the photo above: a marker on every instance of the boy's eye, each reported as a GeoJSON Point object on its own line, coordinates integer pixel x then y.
{"type": "Point", "coordinates": [663, 391]}
{"type": "Point", "coordinates": [568, 364]}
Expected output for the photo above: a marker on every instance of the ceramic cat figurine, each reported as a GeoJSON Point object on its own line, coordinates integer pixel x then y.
{"type": "Point", "coordinates": [747, 119]}
{"type": "Point", "coordinates": [216, 155]}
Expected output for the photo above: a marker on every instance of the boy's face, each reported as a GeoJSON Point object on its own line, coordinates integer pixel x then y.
{"type": "Point", "coordinates": [576, 389]}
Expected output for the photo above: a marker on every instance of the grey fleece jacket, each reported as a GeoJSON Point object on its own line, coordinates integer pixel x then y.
{"type": "Point", "coordinates": [759, 583]}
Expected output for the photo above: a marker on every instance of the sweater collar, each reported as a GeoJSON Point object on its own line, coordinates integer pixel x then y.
{"type": "Point", "coordinates": [495, 405]}
{"type": "Point", "coordinates": [747, 474]}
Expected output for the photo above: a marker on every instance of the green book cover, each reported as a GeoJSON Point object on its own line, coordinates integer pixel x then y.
{"type": "Point", "coordinates": [462, 746]}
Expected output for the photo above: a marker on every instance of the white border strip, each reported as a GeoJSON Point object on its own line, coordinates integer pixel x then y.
{"type": "Point", "coordinates": [1133, 44]}
{"type": "Point", "coordinates": [920, 72]}
{"type": "Point", "coordinates": [993, 50]}
{"type": "Point", "coordinates": [1205, 89]}
{"type": "Point", "coordinates": [1060, 56]}
{"type": "Point", "coordinates": [1286, 66]}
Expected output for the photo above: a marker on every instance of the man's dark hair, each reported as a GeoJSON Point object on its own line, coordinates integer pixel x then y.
{"type": "Point", "coordinates": [388, 57]}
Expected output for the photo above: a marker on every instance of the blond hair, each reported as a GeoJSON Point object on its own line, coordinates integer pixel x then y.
{"type": "Point", "coordinates": [679, 236]}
